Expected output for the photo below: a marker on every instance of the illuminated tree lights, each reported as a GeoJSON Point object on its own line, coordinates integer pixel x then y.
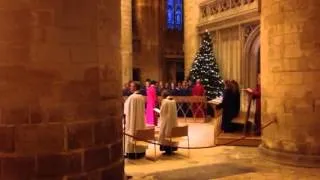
{"type": "Point", "coordinates": [206, 69]}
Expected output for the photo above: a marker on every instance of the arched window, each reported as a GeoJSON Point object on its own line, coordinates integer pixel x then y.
{"type": "Point", "coordinates": [174, 14]}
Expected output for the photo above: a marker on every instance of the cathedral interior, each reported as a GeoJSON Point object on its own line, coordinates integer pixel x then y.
{"type": "Point", "coordinates": [64, 62]}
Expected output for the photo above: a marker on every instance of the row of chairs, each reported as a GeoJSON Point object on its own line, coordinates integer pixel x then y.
{"type": "Point", "coordinates": [149, 135]}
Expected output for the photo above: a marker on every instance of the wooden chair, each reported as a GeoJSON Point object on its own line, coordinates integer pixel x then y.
{"type": "Point", "coordinates": [177, 133]}
{"type": "Point", "coordinates": [143, 135]}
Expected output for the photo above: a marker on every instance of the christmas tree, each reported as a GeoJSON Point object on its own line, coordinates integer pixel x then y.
{"type": "Point", "coordinates": [206, 69]}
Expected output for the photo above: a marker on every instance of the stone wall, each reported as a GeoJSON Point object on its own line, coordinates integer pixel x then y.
{"type": "Point", "coordinates": [146, 55]}
{"type": "Point", "coordinates": [60, 90]}
{"type": "Point", "coordinates": [291, 71]}
{"type": "Point", "coordinates": [126, 40]}
{"type": "Point", "coordinates": [191, 37]}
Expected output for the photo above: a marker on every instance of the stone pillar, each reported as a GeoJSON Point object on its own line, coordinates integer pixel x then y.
{"type": "Point", "coordinates": [60, 90]}
{"type": "Point", "coordinates": [126, 40]}
{"type": "Point", "coordinates": [147, 57]}
{"type": "Point", "coordinates": [290, 90]}
{"type": "Point", "coordinates": [191, 35]}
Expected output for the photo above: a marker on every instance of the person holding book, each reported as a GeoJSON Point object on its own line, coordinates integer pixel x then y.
{"type": "Point", "coordinates": [256, 95]}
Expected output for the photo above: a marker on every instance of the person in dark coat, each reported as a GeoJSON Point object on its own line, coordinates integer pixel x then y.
{"type": "Point", "coordinates": [184, 89]}
{"type": "Point", "coordinates": [190, 86]}
{"type": "Point", "coordinates": [236, 96]}
{"type": "Point", "coordinates": [178, 89]}
{"type": "Point", "coordinates": [228, 107]}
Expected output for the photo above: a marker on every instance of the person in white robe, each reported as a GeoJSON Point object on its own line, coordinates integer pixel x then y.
{"type": "Point", "coordinates": [168, 120]}
{"type": "Point", "coordinates": [134, 110]}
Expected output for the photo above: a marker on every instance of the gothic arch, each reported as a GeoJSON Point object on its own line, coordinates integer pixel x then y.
{"type": "Point", "coordinates": [251, 57]}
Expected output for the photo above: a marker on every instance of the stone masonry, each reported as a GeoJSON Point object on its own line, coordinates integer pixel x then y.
{"type": "Point", "coordinates": [290, 43]}
{"type": "Point", "coordinates": [191, 35]}
{"type": "Point", "coordinates": [126, 40]}
{"type": "Point", "coordinates": [60, 90]}
{"type": "Point", "coordinates": [147, 51]}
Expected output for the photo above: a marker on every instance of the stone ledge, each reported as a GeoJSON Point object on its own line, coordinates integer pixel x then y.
{"type": "Point", "coordinates": [292, 159]}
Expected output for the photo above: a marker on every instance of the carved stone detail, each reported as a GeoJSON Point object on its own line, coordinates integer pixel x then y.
{"type": "Point", "coordinates": [247, 29]}
{"type": "Point", "coordinates": [217, 6]}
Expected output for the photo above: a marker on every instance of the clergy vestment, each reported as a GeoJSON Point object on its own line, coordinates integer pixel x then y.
{"type": "Point", "coordinates": [151, 104]}
{"type": "Point", "coordinates": [168, 120]}
{"type": "Point", "coordinates": [134, 111]}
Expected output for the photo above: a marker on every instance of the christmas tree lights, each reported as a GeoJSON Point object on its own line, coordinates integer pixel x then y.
{"type": "Point", "coordinates": [206, 69]}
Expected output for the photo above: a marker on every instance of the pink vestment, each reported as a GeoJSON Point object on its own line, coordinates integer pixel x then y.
{"type": "Point", "coordinates": [151, 104]}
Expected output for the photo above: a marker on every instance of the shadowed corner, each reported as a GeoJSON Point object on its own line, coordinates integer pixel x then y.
{"type": "Point", "coordinates": [212, 171]}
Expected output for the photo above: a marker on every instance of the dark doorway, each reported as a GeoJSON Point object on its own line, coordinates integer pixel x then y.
{"type": "Point", "coordinates": [136, 74]}
{"type": "Point", "coordinates": [180, 71]}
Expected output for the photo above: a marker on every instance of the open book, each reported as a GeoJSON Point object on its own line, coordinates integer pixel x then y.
{"type": "Point", "coordinates": [216, 101]}
{"type": "Point", "coordinates": [157, 110]}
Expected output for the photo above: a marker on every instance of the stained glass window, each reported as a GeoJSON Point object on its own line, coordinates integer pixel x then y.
{"type": "Point", "coordinates": [170, 14]}
{"type": "Point", "coordinates": [174, 14]}
{"type": "Point", "coordinates": [178, 14]}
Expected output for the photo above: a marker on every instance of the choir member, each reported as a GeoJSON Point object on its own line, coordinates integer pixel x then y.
{"type": "Point", "coordinates": [168, 120]}
{"type": "Point", "coordinates": [145, 87]}
{"type": "Point", "coordinates": [178, 90]}
{"type": "Point", "coordinates": [160, 88]}
{"type": "Point", "coordinates": [167, 86]}
{"type": "Point", "coordinates": [172, 89]}
{"type": "Point", "coordinates": [190, 86]}
{"type": "Point", "coordinates": [185, 91]}
{"type": "Point", "coordinates": [134, 120]}
{"type": "Point", "coordinates": [197, 90]}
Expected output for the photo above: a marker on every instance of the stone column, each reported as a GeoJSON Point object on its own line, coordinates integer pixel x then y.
{"type": "Point", "coordinates": [60, 90]}
{"type": "Point", "coordinates": [126, 40]}
{"type": "Point", "coordinates": [290, 74]}
{"type": "Point", "coordinates": [191, 35]}
{"type": "Point", "coordinates": [147, 58]}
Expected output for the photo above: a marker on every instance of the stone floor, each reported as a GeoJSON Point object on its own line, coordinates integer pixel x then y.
{"type": "Point", "coordinates": [215, 163]}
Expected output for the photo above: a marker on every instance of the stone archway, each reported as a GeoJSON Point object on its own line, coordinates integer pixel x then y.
{"type": "Point", "coordinates": [251, 57]}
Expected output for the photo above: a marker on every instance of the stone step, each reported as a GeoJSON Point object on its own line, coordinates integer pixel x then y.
{"type": "Point", "coordinates": [225, 138]}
